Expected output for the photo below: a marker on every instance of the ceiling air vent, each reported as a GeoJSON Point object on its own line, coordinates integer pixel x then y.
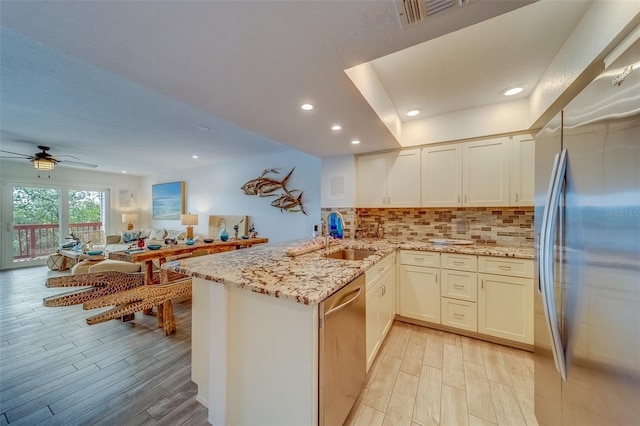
{"type": "Point", "coordinates": [412, 12]}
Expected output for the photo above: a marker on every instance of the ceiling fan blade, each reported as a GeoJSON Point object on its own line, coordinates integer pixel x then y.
{"type": "Point", "coordinates": [67, 155]}
{"type": "Point", "coordinates": [15, 153]}
{"type": "Point", "coordinates": [78, 163]}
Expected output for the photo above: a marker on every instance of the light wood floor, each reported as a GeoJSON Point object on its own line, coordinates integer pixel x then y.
{"type": "Point", "coordinates": [57, 370]}
{"type": "Point", "coordinates": [428, 377]}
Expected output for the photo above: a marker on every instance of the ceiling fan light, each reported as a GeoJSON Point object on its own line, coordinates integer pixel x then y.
{"type": "Point", "coordinates": [43, 164]}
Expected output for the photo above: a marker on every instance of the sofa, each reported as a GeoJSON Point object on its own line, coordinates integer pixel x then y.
{"type": "Point", "coordinates": [125, 239]}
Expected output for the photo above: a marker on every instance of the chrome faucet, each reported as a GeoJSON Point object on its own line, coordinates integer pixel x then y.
{"type": "Point", "coordinates": [327, 237]}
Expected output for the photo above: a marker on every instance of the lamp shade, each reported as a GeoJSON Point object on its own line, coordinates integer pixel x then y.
{"type": "Point", "coordinates": [189, 219]}
{"type": "Point", "coordinates": [129, 217]}
{"type": "Point", "coordinates": [43, 163]}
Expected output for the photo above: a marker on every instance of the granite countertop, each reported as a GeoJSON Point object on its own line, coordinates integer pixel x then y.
{"type": "Point", "coordinates": [309, 278]}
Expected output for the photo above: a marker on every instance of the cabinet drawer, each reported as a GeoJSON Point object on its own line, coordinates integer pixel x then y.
{"type": "Point", "coordinates": [377, 270]}
{"type": "Point", "coordinates": [459, 314]}
{"type": "Point", "coordinates": [460, 285]}
{"type": "Point", "coordinates": [420, 258]}
{"type": "Point", "coordinates": [459, 262]}
{"type": "Point", "coordinates": [506, 266]}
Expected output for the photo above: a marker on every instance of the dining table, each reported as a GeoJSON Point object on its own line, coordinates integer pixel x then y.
{"type": "Point", "coordinates": [146, 256]}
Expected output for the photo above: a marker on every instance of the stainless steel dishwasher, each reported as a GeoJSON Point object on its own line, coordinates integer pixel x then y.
{"type": "Point", "coordinates": [342, 358]}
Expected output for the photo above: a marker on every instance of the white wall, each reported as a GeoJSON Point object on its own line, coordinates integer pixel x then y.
{"type": "Point", "coordinates": [505, 117]}
{"type": "Point", "coordinates": [600, 26]}
{"type": "Point", "coordinates": [338, 181]}
{"type": "Point", "coordinates": [216, 191]}
{"type": "Point", "coordinates": [23, 173]}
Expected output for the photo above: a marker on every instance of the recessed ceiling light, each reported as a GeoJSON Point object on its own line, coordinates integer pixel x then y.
{"type": "Point", "coordinates": [203, 128]}
{"type": "Point", "coordinates": [355, 142]}
{"type": "Point", "coordinates": [413, 113]}
{"type": "Point", "coordinates": [513, 91]}
{"type": "Point", "coordinates": [124, 171]}
{"type": "Point", "coordinates": [336, 127]}
{"type": "Point", "coordinates": [307, 107]}
{"type": "Point", "coordinates": [195, 157]}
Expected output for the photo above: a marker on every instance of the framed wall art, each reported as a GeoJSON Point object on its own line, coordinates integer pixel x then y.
{"type": "Point", "coordinates": [128, 199]}
{"type": "Point", "coordinates": [168, 200]}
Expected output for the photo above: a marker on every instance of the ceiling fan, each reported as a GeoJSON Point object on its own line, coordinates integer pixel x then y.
{"type": "Point", "coordinates": [45, 161]}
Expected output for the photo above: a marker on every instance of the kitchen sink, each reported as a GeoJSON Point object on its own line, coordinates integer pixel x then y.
{"type": "Point", "coordinates": [350, 254]}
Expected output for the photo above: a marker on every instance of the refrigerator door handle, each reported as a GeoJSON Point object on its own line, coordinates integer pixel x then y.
{"type": "Point", "coordinates": [546, 262]}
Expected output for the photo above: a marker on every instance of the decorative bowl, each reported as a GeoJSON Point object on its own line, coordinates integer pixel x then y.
{"type": "Point", "coordinates": [154, 246]}
{"type": "Point", "coordinates": [189, 242]}
{"type": "Point", "coordinates": [94, 252]}
{"type": "Point", "coordinates": [245, 237]}
{"type": "Point", "coordinates": [67, 245]}
{"type": "Point", "coordinates": [208, 240]}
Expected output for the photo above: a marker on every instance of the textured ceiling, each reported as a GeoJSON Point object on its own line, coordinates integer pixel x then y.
{"type": "Point", "coordinates": [126, 85]}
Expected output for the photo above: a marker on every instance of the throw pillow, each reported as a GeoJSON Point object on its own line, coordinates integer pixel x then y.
{"type": "Point", "coordinates": [176, 235]}
{"type": "Point", "coordinates": [129, 237]}
{"type": "Point", "coordinates": [157, 234]}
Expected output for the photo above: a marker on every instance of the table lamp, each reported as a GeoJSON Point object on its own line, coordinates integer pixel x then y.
{"type": "Point", "coordinates": [129, 218]}
{"type": "Point", "coordinates": [189, 220]}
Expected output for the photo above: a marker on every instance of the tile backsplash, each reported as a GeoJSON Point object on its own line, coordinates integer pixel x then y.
{"type": "Point", "coordinates": [508, 226]}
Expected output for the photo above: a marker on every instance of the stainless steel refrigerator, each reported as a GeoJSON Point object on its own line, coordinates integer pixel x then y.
{"type": "Point", "coordinates": [587, 219]}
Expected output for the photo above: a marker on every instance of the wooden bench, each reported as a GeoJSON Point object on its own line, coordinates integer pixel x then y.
{"type": "Point", "coordinates": [126, 292]}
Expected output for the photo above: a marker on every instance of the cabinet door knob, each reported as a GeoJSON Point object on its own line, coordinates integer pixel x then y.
{"type": "Point", "coordinates": [505, 267]}
{"type": "Point", "coordinates": [459, 316]}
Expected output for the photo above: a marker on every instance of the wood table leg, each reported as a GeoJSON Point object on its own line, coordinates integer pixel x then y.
{"type": "Point", "coordinates": [128, 317]}
{"type": "Point", "coordinates": [164, 274]}
{"type": "Point", "coordinates": [169, 320]}
{"type": "Point", "coordinates": [63, 263]}
{"type": "Point", "coordinates": [160, 314]}
{"type": "Point", "coordinates": [148, 279]}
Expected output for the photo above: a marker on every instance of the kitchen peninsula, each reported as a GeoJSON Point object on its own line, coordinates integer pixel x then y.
{"type": "Point", "coordinates": [255, 353]}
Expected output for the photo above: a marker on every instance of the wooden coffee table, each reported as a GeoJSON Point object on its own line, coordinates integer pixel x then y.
{"type": "Point", "coordinates": [77, 255]}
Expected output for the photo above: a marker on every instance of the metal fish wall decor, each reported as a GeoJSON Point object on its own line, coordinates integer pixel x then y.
{"type": "Point", "coordinates": [264, 186]}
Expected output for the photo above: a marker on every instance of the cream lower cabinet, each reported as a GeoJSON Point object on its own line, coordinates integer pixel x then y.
{"type": "Point", "coordinates": [459, 291]}
{"type": "Point", "coordinates": [420, 285]}
{"type": "Point", "coordinates": [380, 302]}
{"type": "Point", "coordinates": [505, 298]}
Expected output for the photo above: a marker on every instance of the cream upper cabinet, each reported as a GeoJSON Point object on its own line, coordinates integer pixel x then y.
{"type": "Point", "coordinates": [441, 176]}
{"type": "Point", "coordinates": [389, 180]}
{"type": "Point", "coordinates": [371, 180]}
{"type": "Point", "coordinates": [522, 170]}
{"type": "Point", "coordinates": [466, 174]}
{"type": "Point", "coordinates": [403, 178]}
{"type": "Point", "coordinates": [485, 172]}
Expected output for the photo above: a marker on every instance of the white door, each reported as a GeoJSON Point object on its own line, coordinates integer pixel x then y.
{"type": "Point", "coordinates": [32, 216]}
{"type": "Point", "coordinates": [38, 218]}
